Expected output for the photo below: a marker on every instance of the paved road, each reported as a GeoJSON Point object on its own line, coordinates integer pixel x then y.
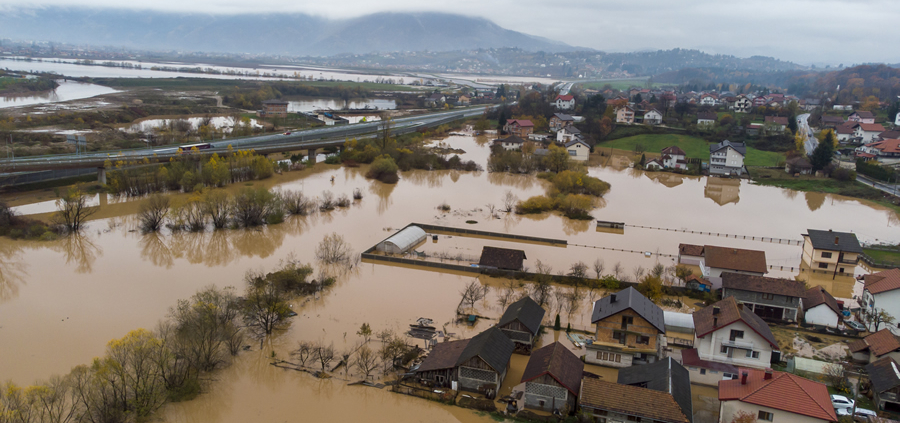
{"type": "Point", "coordinates": [893, 189]}
{"type": "Point", "coordinates": [565, 87]}
{"type": "Point", "coordinates": [809, 141]}
{"type": "Point", "coordinates": [312, 138]}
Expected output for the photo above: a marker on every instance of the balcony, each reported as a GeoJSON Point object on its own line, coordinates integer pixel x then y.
{"type": "Point", "coordinates": [744, 345]}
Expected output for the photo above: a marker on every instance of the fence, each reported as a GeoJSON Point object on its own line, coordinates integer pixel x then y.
{"type": "Point", "coordinates": [413, 262]}
{"type": "Point", "coordinates": [750, 237]}
{"type": "Point", "coordinates": [473, 232]}
{"type": "Point", "coordinates": [624, 250]}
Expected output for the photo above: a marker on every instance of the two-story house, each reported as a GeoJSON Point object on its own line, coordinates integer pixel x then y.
{"type": "Point", "coordinates": [630, 330]}
{"type": "Point", "coordinates": [769, 298]}
{"type": "Point", "coordinates": [772, 396]}
{"type": "Point", "coordinates": [578, 150]}
{"type": "Point", "coordinates": [552, 379]}
{"type": "Point", "coordinates": [727, 332]}
{"type": "Point", "coordinates": [777, 122]}
{"type": "Point", "coordinates": [861, 116]}
{"type": "Point", "coordinates": [886, 148]}
{"type": "Point", "coordinates": [564, 102]}
{"type": "Point", "coordinates": [652, 117]}
{"type": "Point", "coordinates": [875, 346]}
{"type": "Point", "coordinates": [867, 132]}
{"type": "Point", "coordinates": [435, 100]}
{"type": "Point", "coordinates": [521, 322]}
{"type": "Point", "coordinates": [881, 292]}
{"type": "Point", "coordinates": [727, 158]}
{"type": "Point", "coordinates": [511, 142]}
{"type": "Point", "coordinates": [625, 115]}
{"type": "Point", "coordinates": [483, 363]}
{"type": "Point", "coordinates": [674, 158]}
{"type": "Point", "coordinates": [519, 127]}
{"type": "Point", "coordinates": [707, 100]}
{"type": "Point", "coordinates": [560, 121]}
{"type": "Point", "coordinates": [274, 108]}
{"type": "Point", "coordinates": [666, 375]}
{"type": "Point", "coordinates": [714, 261]}
{"type": "Point", "coordinates": [567, 134]}
{"type": "Point", "coordinates": [743, 104]}
{"type": "Point", "coordinates": [831, 251]}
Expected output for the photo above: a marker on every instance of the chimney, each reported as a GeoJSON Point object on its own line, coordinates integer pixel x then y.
{"type": "Point", "coordinates": [768, 374]}
{"type": "Point", "coordinates": [612, 298]}
{"type": "Point", "coordinates": [744, 377]}
{"type": "Point", "coordinates": [836, 239]}
{"type": "Point", "coordinates": [715, 311]}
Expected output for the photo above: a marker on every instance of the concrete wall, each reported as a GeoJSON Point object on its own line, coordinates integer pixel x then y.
{"type": "Point", "coordinates": [821, 315]}
{"type": "Point", "coordinates": [706, 377]}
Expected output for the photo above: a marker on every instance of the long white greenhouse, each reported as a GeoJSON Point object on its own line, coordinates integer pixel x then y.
{"type": "Point", "coordinates": [402, 241]}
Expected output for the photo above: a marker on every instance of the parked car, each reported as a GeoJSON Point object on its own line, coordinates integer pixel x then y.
{"type": "Point", "coordinates": [855, 325]}
{"type": "Point", "coordinates": [841, 402]}
{"type": "Point", "coordinates": [861, 415]}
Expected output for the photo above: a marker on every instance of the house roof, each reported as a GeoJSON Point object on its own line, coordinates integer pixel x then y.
{"type": "Point", "coordinates": [563, 117]}
{"type": "Point", "coordinates": [735, 259]}
{"type": "Point", "coordinates": [865, 114]}
{"type": "Point", "coordinates": [878, 343]}
{"type": "Point", "coordinates": [443, 356]}
{"type": "Point", "coordinates": [883, 281]}
{"type": "Point", "coordinates": [631, 400]}
{"type": "Point", "coordinates": [577, 141]}
{"type": "Point", "coordinates": [706, 321]}
{"type": "Point", "coordinates": [565, 97]}
{"type": "Point", "coordinates": [845, 128]}
{"type": "Point", "coordinates": [871, 127]}
{"type": "Point", "coordinates": [674, 151]}
{"type": "Point", "coordinates": [778, 120]}
{"type": "Point", "coordinates": [753, 283]}
{"type": "Point", "coordinates": [708, 115]}
{"type": "Point", "coordinates": [886, 146]}
{"type": "Point", "coordinates": [274, 102]}
{"type": "Point", "coordinates": [526, 311]}
{"type": "Point", "coordinates": [691, 358]}
{"type": "Point", "coordinates": [799, 162]}
{"type": "Point", "coordinates": [783, 391]}
{"type": "Point", "coordinates": [520, 122]}
{"type": "Point", "coordinates": [502, 258]}
{"type": "Point", "coordinates": [890, 135]}
{"type": "Point", "coordinates": [690, 249]}
{"type": "Point", "coordinates": [492, 346]}
{"type": "Point", "coordinates": [557, 361]}
{"type": "Point", "coordinates": [664, 376]}
{"type": "Point", "coordinates": [436, 96]}
{"type": "Point", "coordinates": [512, 139]}
{"type": "Point", "coordinates": [816, 296]}
{"type": "Point", "coordinates": [629, 298]}
{"type": "Point", "coordinates": [832, 240]}
{"type": "Point", "coordinates": [832, 119]}
{"type": "Point", "coordinates": [737, 146]}
{"type": "Point", "coordinates": [884, 374]}
{"type": "Point", "coordinates": [572, 130]}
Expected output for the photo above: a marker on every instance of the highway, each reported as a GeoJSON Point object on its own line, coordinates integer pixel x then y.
{"type": "Point", "coordinates": [299, 140]}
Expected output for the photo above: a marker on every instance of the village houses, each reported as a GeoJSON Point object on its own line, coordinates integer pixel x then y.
{"type": "Point", "coordinates": [831, 251]}
{"type": "Point", "coordinates": [727, 158]}
{"type": "Point", "coordinates": [552, 379]}
{"type": "Point", "coordinates": [521, 322]}
{"type": "Point", "coordinates": [714, 261]}
{"type": "Point", "coordinates": [881, 292]}
{"type": "Point", "coordinates": [578, 150]}
{"type": "Point", "coordinates": [665, 375]}
{"type": "Point", "coordinates": [884, 374]}
{"type": "Point", "coordinates": [625, 115]}
{"type": "Point", "coordinates": [707, 118]}
{"type": "Point", "coordinates": [820, 308]}
{"type": "Point", "coordinates": [511, 142]}
{"type": "Point", "coordinates": [611, 402]}
{"type": "Point", "coordinates": [727, 332]}
{"type": "Point", "coordinates": [772, 396]}
{"type": "Point", "coordinates": [630, 330]}
{"type": "Point", "coordinates": [769, 298]}
{"type": "Point", "coordinates": [564, 102]}
{"type": "Point", "coordinates": [867, 132]}
{"type": "Point", "coordinates": [875, 346]}
{"type": "Point", "coordinates": [519, 127]}
{"type": "Point", "coordinates": [560, 121]}
{"type": "Point", "coordinates": [861, 116]}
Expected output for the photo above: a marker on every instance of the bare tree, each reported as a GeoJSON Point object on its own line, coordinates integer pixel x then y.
{"type": "Point", "coordinates": [638, 273]}
{"type": "Point", "coordinates": [366, 361]}
{"type": "Point", "coordinates": [473, 292]}
{"type": "Point", "coordinates": [509, 201]}
{"type": "Point", "coordinates": [217, 205]}
{"type": "Point", "coordinates": [72, 210]}
{"type": "Point", "coordinates": [658, 270]}
{"type": "Point", "coordinates": [323, 355]}
{"type": "Point", "coordinates": [598, 267]}
{"type": "Point", "coordinates": [507, 294]}
{"type": "Point", "coordinates": [304, 352]}
{"type": "Point", "coordinates": [326, 202]}
{"type": "Point", "coordinates": [618, 269]}
{"type": "Point", "coordinates": [541, 289]}
{"type": "Point", "coordinates": [578, 270]}
{"type": "Point", "coordinates": [573, 301]}
{"type": "Point", "coordinates": [334, 250]}
{"type": "Point", "coordinates": [297, 203]}
{"type": "Point", "coordinates": [543, 268]}
{"type": "Point", "coordinates": [490, 207]}
{"type": "Point", "coordinates": [385, 336]}
{"type": "Point", "coordinates": [152, 212]}
{"type": "Point", "coordinates": [592, 286]}
{"type": "Point", "coordinates": [265, 306]}
{"type": "Point", "coordinates": [559, 299]}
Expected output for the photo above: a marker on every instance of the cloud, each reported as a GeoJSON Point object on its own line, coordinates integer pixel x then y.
{"type": "Point", "coordinates": [803, 31]}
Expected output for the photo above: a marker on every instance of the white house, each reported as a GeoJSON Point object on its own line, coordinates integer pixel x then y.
{"type": "Point", "coordinates": [674, 158]}
{"type": "Point", "coordinates": [713, 261]}
{"type": "Point", "coordinates": [578, 150]}
{"type": "Point", "coordinates": [771, 396]}
{"type": "Point", "coordinates": [867, 132]}
{"type": "Point", "coordinates": [897, 120]}
{"type": "Point", "coordinates": [707, 100]}
{"type": "Point", "coordinates": [565, 102]}
{"type": "Point", "coordinates": [820, 308]}
{"type": "Point", "coordinates": [654, 164]}
{"type": "Point", "coordinates": [510, 143]}
{"type": "Point", "coordinates": [882, 292]}
{"type": "Point", "coordinates": [652, 117]}
{"type": "Point", "coordinates": [625, 115]}
{"type": "Point", "coordinates": [861, 116]}
{"type": "Point", "coordinates": [567, 134]}
{"type": "Point", "coordinates": [743, 104]}
{"type": "Point", "coordinates": [727, 158]}
{"type": "Point", "coordinates": [707, 118]}
{"type": "Point", "coordinates": [728, 332]}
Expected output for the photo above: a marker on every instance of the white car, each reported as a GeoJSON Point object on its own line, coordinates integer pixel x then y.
{"type": "Point", "coordinates": [860, 412]}
{"type": "Point", "coordinates": [841, 402]}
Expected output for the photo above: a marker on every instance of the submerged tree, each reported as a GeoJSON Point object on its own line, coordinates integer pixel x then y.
{"type": "Point", "coordinates": [72, 210]}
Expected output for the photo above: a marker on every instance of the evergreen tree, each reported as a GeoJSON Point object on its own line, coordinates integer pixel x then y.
{"type": "Point", "coordinates": [823, 153]}
{"type": "Point", "coordinates": [556, 323]}
{"type": "Point", "coordinates": [792, 123]}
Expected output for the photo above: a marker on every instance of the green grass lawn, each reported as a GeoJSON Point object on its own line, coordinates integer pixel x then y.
{"type": "Point", "coordinates": [880, 256]}
{"type": "Point", "coordinates": [619, 85]}
{"type": "Point", "coordinates": [694, 147]}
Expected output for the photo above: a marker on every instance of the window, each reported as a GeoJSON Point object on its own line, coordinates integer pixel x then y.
{"type": "Point", "coordinates": [627, 320]}
{"type": "Point", "coordinates": [729, 376]}
{"type": "Point", "coordinates": [620, 336]}
{"type": "Point", "coordinates": [723, 350]}
{"type": "Point", "coordinates": [702, 371]}
{"type": "Point", "coordinates": [765, 415]}
{"type": "Point", "coordinates": [826, 255]}
{"type": "Point", "coordinates": [823, 265]}
{"type": "Point", "coordinates": [736, 334]}
{"type": "Point", "coordinates": [633, 419]}
{"type": "Point", "coordinates": [573, 152]}
{"type": "Point", "coordinates": [642, 339]}
{"type": "Point", "coordinates": [768, 296]}
{"type": "Point", "coordinates": [608, 356]}
{"type": "Point", "coordinates": [752, 354]}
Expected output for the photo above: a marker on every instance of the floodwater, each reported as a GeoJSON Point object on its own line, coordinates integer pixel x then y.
{"type": "Point", "coordinates": [225, 123]}
{"type": "Point", "coordinates": [310, 105]}
{"type": "Point", "coordinates": [62, 301]}
{"type": "Point", "coordinates": [66, 91]}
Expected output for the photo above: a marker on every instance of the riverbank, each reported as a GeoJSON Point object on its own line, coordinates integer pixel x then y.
{"type": "Point", "coordinates": [779, 178]}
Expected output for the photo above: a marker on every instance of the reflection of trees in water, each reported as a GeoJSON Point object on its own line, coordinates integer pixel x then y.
{"type": "Point", "coordinates": [454, 175]}
{"type": "Point", "coordinates": [155, 249]}
{"type": "Point", "coordinates": [510, 221]}
{"type": "Point", "coordinates": [351, 173]}
{"type": "Point", "coordinates": [814, 200]}
{"type": "Point", "coordinates": [430, 178]}
{"type": "Point", "coordinates": [893, 217]}
{"type": "Point", "coordinates": [511, 180]}
{"type": "Point", "coordinates": [789, 193]}
{"type": "Point", "coordinates": [80, 250]}
{"type": "Point", "coordinates": [576, 226]}
{"type": "Point", "coordinates": [383, 192]}
{"type": "Point", "coordinates": [12, 269]}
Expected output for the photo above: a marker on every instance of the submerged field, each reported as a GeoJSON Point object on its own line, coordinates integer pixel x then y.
{"type": "Point", "coordinates": [693, 146]}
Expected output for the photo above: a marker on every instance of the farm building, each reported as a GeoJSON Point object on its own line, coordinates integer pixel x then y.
{"type": "Point", "coordinates": [552, 378]}
{"type": "Point", "coordinates": [521, 322]}
{"type": "Point", "coordinates": [402, 241]}
{"type": "Point", "coordinates": [502, 258]}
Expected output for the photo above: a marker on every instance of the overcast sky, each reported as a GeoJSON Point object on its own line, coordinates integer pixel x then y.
{"type": "Point", "coordinates": [802, 31]}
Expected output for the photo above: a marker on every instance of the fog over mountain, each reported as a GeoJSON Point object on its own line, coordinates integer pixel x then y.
{"type": "Point", "coordinates": [289, 33]}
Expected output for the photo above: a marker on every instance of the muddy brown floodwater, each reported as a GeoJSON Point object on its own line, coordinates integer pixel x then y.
{"type": "Point", "coordinates": [62, 301]}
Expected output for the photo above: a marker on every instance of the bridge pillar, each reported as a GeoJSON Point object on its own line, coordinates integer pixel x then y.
{"type": "Point", "coordinates": [312, 156]}
{"type": "Point", "coordinates": [104, 198]}
{"type": "Point", "coordinates": [101, 175]}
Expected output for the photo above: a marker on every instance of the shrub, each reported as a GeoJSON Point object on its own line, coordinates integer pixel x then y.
{"type": "Point", "coordinates": [384, 169]}
{"type": "Point", "coordinates": [444, 206]}
{"type": "Point", "coordinates": [343, 201]}
{"type": "Point", "coordinates": [536, 204]}
{"type": "Point", "coordinates": [333, 159]}
{"type": "Point", "coordinates": [843, 174]}
{"type": "Point", "coordinates": [357, 194]}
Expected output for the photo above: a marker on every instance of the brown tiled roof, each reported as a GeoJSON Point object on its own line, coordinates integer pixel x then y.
{"type": "Point", "coordinates": [557, 361]}
{"type": "Point", "coordinates": [690, 249]}
{"type": "Point", "coordinates": [520, 122]}
{"type": "Point", "coordinates": [846, 128]}
{"type": "Point", "coordinates": [887, 280]}
{"type": "Point", "coordinates": [800, 162]}
{"type": "Point", "coordinates": [708, 115]}
{"type": "Point", "coordinates": [630, 400]}
{"type": "Point", "coordinates": [783, 391]}
{"type": "Point", "coordinates": [865, 114]}
{"type": "Point", "coordinates": [752, 283]}
{"type": "Point", "coordinates": [674, 151]}
{"type": "Point", "coordinates": [443, 355]}
{"type": "Point", "coordinates": [735, 259]}
{"type": "Point", "coordinates": [871, 127]}
{"type": "Point", "coordinates": [705, 321]}
{"type": "Point", "coordinates": [691, 357]}
{"type": "Point", "coordinates": [502, 258]}
{"type": "Point", "coordinates": [817, 295]}
{"type": "Point", "coordinates": [878, 343]}
{"type": "Point", "coordinates": [886, 145]}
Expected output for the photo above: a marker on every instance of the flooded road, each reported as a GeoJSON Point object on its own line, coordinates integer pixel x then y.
{"type": "Point", "coordinates": [62, 301]}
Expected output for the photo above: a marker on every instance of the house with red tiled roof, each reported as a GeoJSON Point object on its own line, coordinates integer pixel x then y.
{"type": "Point", "coordinates": [519, 127]}
{"type": "Point", "coordinates": [565, 102]}
{"type": "Point", "coordinates": [881, 292]}
{"type": "Point", "coordinates": [674, 158]}
{"type": "Point", "coordinates": [728, 332]}
{"type": "Point", "coordinates": [845, 131]}
{"type": "Point", "coordinates": [861, 116]}
{"type": "Point", "coordinates": [877, 345]}
{"type": "Point", "coordinates": [888, 148]}
{"type": "Point", "coordinates": [772, 396]}
{"type": "Point", "coordinates": [867, 132]}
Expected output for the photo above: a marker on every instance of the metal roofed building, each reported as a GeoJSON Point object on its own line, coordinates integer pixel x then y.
{"type": "Point", "coordinates": [402, 241]}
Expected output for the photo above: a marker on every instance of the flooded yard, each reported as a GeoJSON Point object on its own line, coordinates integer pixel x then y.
{"type": "Point", "coordinates": [62, 301]}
